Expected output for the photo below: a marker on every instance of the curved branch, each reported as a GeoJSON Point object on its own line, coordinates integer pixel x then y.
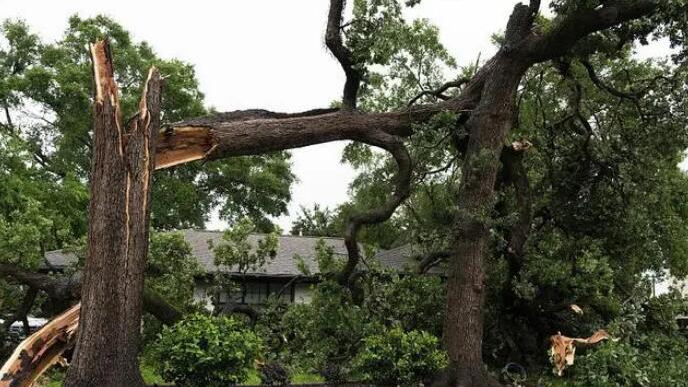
{"type": "Point", "coordinates": [438, 92]}
{"type": "Point", "coordinates": [333, 41]}
{"type": "Point", "coordinates": [568, 30]}
{"type": "Point", "coordinates": [402, 183]}
{"type": "Point", "coordinates": [604, 87]}
{"type": "Point", "coordinates": [432, 259]}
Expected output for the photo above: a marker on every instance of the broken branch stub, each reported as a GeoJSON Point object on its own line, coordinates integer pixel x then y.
{"type": "Point", "coordinates": [563, 349]}
{"type": "Point", "coordinates": [38, 352]}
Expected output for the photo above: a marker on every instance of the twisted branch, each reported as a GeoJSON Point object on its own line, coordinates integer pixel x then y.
{"type": "Point", "coordinates": [334, 42]}
{"type": "Point", "coordinates": [402, 189]}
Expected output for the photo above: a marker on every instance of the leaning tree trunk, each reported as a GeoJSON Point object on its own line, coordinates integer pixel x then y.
{"type": "Point", "coordinates": [488, 126]}
{"type": "Point", "coordinates": [119, 211]}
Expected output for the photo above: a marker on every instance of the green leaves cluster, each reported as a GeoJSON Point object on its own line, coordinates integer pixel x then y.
{"type": "Point", "coordinates": [206, 351]}
{"type": "Point", "coordinates": [399, 358]}
{"type": "Point", "coordinates": [650, 349]}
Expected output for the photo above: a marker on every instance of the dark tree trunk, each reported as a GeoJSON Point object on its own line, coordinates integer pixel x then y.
{"type": "Point", "coordinates": [123, 163]}
{"type": "Point", "coordinates": [488, 126]}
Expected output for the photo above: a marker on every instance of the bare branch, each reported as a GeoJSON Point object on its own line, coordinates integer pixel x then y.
{"type": "Point", "coordinates": [604, 87]}
{"type": "Point", "coordinates": [68, 288]}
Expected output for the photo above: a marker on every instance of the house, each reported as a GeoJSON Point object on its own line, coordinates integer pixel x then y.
{"type": "Point", "coordinates": [281, 275]}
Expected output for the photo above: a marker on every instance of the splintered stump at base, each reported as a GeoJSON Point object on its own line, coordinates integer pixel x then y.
{"type": "Point", "coordinates": [119, 211]}
{"type": "Point", "coordinates": [38, 352]}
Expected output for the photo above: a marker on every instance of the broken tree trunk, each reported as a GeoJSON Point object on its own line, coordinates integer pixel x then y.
{"type": "Point", "coordinates": [119, 212]}
{"type": "Point", "coordinates": [40, 351]}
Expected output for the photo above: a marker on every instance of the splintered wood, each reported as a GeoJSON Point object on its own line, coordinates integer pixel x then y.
{"type": "Point", "coordinates": [563, 349]}
{"type": "Point", "coordinates": [38, 352]}
{"type": "Point", "coordinates": [182, 145]}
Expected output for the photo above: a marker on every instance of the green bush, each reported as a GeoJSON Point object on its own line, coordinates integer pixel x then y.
{"type": "Point", "coordinates": [207, 351]}
{"type": "Point", "coordinates": [650, 349]}
{"type": "Point", "coordinates": [399, 358]}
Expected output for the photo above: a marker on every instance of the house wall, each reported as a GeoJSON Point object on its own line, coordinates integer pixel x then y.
{"type": "Point", "coordinates": [256, 292]}
{"type": "Point", "coordinates": [302, 293]}
{"type": "Point", "coordinates": [201, 294]}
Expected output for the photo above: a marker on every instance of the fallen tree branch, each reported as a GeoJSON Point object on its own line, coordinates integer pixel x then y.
{"type": "Point", "coordinates": [68, 288]}
{"type": "Point", "coordinates": [38, 352]}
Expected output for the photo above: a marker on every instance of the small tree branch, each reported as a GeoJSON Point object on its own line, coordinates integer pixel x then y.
{"type": "Point", "coordinates": [438, 92]}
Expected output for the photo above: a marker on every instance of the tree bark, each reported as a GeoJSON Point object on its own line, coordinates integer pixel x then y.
{"type": "Point", "coordinates": [119, 211]}
{"type": "Point", "coordinates": [488, 126]}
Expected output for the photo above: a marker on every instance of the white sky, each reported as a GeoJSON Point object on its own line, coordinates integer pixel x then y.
{"type": "Point", "coordinates": [266, 54]}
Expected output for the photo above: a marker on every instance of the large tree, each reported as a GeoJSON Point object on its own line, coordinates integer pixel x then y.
{"type": "Point", "coordinates": [486, 110]}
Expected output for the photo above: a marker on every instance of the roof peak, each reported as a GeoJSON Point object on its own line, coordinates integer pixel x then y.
{"type": "Point", "coordinates": [257, 233]}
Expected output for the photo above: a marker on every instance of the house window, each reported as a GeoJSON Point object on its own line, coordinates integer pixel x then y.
{"type": "Point", "coordinates": [258, 292]}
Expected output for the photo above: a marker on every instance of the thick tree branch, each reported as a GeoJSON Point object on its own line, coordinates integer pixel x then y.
{"type": "Point", "coordinates": [245, 133]}
{"type": "Point", "coordinates": [431, 260]}
{"type": "Point", "coordinates": [333, 40]}
{"type": "Point", "coordinates": [570, 29]}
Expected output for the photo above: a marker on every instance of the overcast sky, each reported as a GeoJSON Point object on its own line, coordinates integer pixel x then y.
{"type": "Point", "coordinates": [266, 54]}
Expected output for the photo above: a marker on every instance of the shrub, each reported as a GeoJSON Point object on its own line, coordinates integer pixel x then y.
{"type": "Point", "coordinates": [399, 358]}
{"type": "Point", "coordinates": [274, 374]}
{"type": "Point", "coordinates": [207, 351]}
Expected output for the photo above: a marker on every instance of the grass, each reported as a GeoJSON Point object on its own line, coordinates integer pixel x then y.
{"type": "Point", "coordinates": [55, 377]}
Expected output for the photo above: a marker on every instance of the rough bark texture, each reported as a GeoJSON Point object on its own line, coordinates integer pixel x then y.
{"type": "Point", "coordinates": [488, 126]}
{"type": "Point", "coordinates": [123, 163]}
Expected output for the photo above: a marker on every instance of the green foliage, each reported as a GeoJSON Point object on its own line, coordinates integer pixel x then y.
{"type": "Point", "coordinates": [328, 330]}
{"type": "Point", "coordinates": [650, 350]}
{"type": "Point", "coordinates": [45, 93]}
{"type": "Point", "coordinates": [236, 250]}
{"type": "Point", "coordinates": [239, 252]}
{"type": "Point", "coordinates": [207, 351]}
{"type": "Point", "coordinates": [412, 302]}
{"type": "Point", "coordinates": [398, 357]}
{"type": "Point", "coordinates": [172, 268]}
{"type": "Point", "coordinates": [316, 222]}
{"type": "Point", "coordinates": [326, 334]}
{"type": "Point", "coordinates": [170, 272]}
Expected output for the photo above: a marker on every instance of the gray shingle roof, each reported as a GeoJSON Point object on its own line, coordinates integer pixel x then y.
{"type": "Point", "coordinates": [283, 264]}
{"type": "Point", "coordinates": [403, 259]}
